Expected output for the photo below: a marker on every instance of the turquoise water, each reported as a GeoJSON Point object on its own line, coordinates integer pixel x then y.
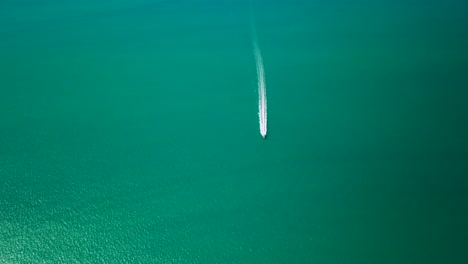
{"type": "Point", "coordinates": [129, 132]}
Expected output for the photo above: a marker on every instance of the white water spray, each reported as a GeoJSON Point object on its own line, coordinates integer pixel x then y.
{"type": "Point", "coordinates": [262, 99]}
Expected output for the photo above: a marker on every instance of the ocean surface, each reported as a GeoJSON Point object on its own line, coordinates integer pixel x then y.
{"type": "Point", "coordinates": [129, 132]}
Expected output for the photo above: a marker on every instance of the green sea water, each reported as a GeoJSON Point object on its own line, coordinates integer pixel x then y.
{"type": "Point", "coordinates": [129, 132]}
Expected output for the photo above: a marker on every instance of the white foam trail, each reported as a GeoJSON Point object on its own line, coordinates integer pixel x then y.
{"type": "Point", "coordinates": [262, 99]}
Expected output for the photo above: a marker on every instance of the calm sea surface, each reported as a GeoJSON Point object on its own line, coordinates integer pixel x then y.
{"type": "Point", "coordinates": [129, 132]}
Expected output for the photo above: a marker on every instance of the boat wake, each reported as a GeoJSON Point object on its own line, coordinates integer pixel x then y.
{"type": "Point", "coordinates": [262, 99]}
